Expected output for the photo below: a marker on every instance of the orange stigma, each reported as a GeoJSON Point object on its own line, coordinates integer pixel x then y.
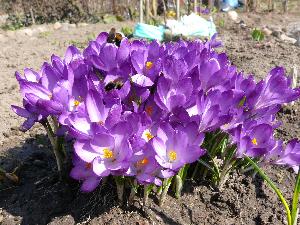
{"type": "Point", "coordinates": [142, 162]}
{"type": "Point", "coordinates": [149, 65]}
{"type": "Point", "coordinates": [88, 166]}
{"type": "Point", "coordinates": [149, 110]}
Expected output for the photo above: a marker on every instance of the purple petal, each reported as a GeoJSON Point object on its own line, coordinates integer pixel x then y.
{"type": "Point", "coordinates": [70, 53]}
{"type": "Point", "coordinates": [95, 107]}
{"type": "Point", "coordinates": [20, 111]}
{"type": "Point", "coordinates": [99, 168]}
{"type": "Point", "coordinates": [50, 77]}
{"type": "Point", "coordinates": [90, 184]}
{"type": "Point", "coordinates": [34, 88]}
{"type": "Point", "coordinates": [102, 38]}
{"type": "Point", "coordinates": [84, 150]}
{"type": "Point", "coordinates": [141, 80]}
{"type": "Point", "coordinates": [27, 124]}
{"type": "Point", "coordinates": [31, 75]}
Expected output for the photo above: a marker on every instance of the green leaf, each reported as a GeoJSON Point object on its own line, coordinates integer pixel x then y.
{"type": "Point", "coordinates": [257, 35]}
{"type": "Point", "coordinates": [296, 199]}
{"type": "Point", "coordinates": [273, 186]}
{"type": "Point", "coordinates": [179, 184]}
{"type": "Point", "coordinates": [242, 102]}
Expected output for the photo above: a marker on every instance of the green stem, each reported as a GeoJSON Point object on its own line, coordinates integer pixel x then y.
{"type": "Point", "coordinates": [296, 199]}
{"type": "Point", "coordinates": [120, 188]}
{"type": "Point", "coordinates": [133, 192]}
{"type": "Point", "coordinates": [296, 218]}
{"type": "Point", "coordinates": [195, 171]}
{"type": "Point", "coordinates": [147, 190]}
{"type": "Point", "coordinates": [223, 176]}
{"type": "Point", "coordinates": [55, 124]}
{"type": "Point", "coordinates": [166, 185]}
{"type": "Point", "coordinates": [55, 146]}
{"type": "Point", "coordinates": [228, 165]}
{"type": "Point", "coordinates": [274, 187]}
{"type": "Point", "coordinates": [178, 186]}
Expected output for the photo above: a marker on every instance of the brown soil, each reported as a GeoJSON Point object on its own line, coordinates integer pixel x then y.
{"type": "Point", "coordinates": [40, 198]}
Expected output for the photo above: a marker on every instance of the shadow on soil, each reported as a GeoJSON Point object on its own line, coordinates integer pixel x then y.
{"type": "Point", "coordinates": [40, 195]}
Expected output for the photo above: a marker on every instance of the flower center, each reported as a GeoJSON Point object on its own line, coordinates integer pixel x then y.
{"type": "Point", "coordinates": [101, 123]}
{"type": "Point", "coordinates": [107, 153]}
{"type": "Point", "coordinates": [147, 136]}
{"type": "Point", "coordinates": [88, 166]}
{"type": "Point", "coordinates": [254, 141]}
{"type": "Point", "coordinates": [76, 103]}
{"type": "Point", "coordinates": [142, 162]}
{"type": "Point", "coordinates": [149, 110]}
{"type": "Point", "coordinates": [149, 65]}
{"type": "Point", "coordinates": [172, 155]}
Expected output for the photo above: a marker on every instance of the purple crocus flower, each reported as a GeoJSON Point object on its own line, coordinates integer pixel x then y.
{"type": "Point", "coordinates": [210, 112]}
{"type": "Point", "coordinates": [146, 59]}
{"type": "Point", "coordinates": [172, 95]}
{"type": "Point", "coordinates": [144, 167]}
{"type": "Point", "coordinates": [173, 149]}
{"type": "Point", "coordinates": [114, 154]}
{"type": "Point", "coordinates": [29, 75]}
{"type": "Point", "coordinates": [276, 89]}
{"type": "Point", "coordinates": [109, 153]}
{"type": "Point", "coordinates": [29, 112]}
{"type": "Point", "coordinates": [215, 71]}
{"type": "Point", "coordinates": [83, 171]}
{"type": "Point", "coordinates": [91, 117]}
{"type": "Point", "coordinates": [113, 61]}
{"type": "Point", "coordinates": [253, 140]}
{"type": "Point", "coordinates": [40, 97]}
{"type": "Point", "coordinates": [288, 156]}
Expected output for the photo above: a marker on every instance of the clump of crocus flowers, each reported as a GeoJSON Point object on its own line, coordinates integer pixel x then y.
{"type": "Point", "coordinates": [148, 112]}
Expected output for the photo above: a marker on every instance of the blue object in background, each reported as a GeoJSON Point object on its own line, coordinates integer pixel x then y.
{"type": "Point", "coordinates": [232, 3]}
{"type": "Point", "coordinates": [151, 32]}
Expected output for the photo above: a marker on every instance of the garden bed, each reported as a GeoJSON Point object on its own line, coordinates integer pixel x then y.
{"type": "Point", "coordinates": [40, 197]}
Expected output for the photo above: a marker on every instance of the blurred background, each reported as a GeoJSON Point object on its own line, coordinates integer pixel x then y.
{"type": "Point", "coordinates": [18, 13]}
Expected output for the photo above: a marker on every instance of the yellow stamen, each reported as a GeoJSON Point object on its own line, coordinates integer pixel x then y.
{"type": "Point", "coordinates": [149, 135]}
{"type": "Point", "coordinates": [101, 122]}
{"type": "Point", "coordinates": [142, 162]}
{"type": "Point", "coordinates": [50, 96]}
{"type": "Point", "coordinates": [172, 155]}
{"type": "Point", "coordinates": [76, 103]}
{"type": "Point", "coordinates": [149, 110]}
{"type": "Point", "coordinates": [88, 166]}
{"type": "Point", "coordinates": [226, 125]}
{"type": "Point", "coordinates": [254, 141]}
{"type": "Point", "coordinates": [107, 153]}
{"type": "Point", "coordinates": [149, 65]}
